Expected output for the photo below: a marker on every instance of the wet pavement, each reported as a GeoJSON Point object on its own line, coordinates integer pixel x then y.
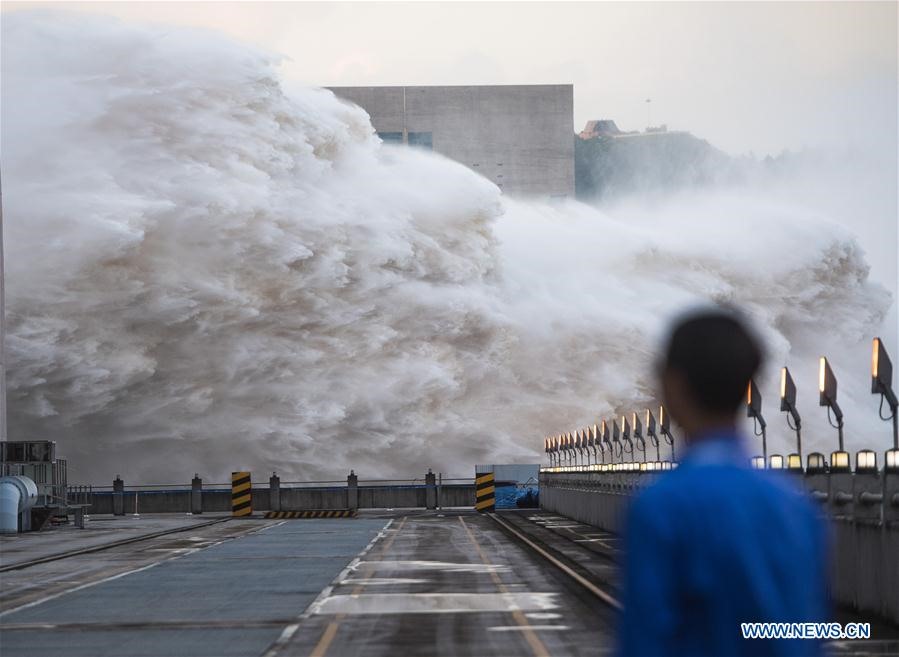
{"type": "Point", "coordinates": [449, 584]}
{"type": "Point", "coordinates": [413, 583]}
{"type": "Point", "coordinates": [222, 590]}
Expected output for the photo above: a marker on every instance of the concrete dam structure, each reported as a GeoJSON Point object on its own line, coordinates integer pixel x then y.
{"type": "Point", "coordinates": [520, 137]}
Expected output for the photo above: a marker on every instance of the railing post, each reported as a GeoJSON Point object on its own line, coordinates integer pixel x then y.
{"type": "Point", "coordinates": [196, 495]}
{"type": "Point", "coordinates": [430, 490]}
{"type": "Point", "coordinates": [118, 496]}
{"type": "Point", "coordinates": [352, 491]}
{"type": "Point", "coordinates": [274, 492]}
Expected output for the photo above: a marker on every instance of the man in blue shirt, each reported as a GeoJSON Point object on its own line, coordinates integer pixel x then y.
{"type": "Point", "coordinates": [714, 543]}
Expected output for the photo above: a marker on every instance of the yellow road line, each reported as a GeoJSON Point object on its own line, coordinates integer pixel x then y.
{"type": "Point", "coordinates": [321, 648]}
{"type": "Point", "coordinates": [325, 642]}
{"type": "Point", "coordinates": [528, 632]}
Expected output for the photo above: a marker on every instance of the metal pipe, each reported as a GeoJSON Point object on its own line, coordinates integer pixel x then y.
{"type": "Point", "coordinates": [17, 495]}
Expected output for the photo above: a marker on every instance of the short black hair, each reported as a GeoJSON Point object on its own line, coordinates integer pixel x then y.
{"type": "Point", "coordinates": [717, 354]}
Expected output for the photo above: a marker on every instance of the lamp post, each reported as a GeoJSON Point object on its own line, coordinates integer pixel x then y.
{"type": "Point", "coordinates": [788, 405]}
{"type": "Point", "coordinates": [594, 441]}
{"type": "Point", "coordinates": [754, 410]}
{"type": "Point", "coordinates": [638, 434]}
{"type": "Point", "coordinates": [651, 434]}
{"type": "Point", "coordinates": [882, 384]}
{"type": "Point", "coordinates": [665, 430]}
{"type": "Point", "coordinates": [628, 446]}
{"type": "Point", "coordinates": [573, 438]}
{"type": "Point", "coordinates": [827, 389]}
{"type": "Point", "coordinates": [585, 444]}
{"type": "Point", "coordinates": [616, 441]}
{"type": "Point", "coordinates": [605, 437]}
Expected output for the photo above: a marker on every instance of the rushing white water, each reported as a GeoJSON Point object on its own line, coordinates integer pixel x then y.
{"type": "Point", "coordinates": [209, 271]}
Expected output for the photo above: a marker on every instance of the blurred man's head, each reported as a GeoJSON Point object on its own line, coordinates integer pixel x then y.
{"type": "Point", "coordinates": [709, 359]}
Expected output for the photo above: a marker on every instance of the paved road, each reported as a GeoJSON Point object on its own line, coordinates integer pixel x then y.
{"type": "Point", "coordinates": [412, 584]}
{"type": "Point", "coordinates": [228, 589]}
{"type": "Point", "coordinates": [450, 585]}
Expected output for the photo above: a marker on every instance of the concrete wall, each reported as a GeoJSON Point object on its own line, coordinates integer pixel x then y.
{"type": "Point", "coordinates": [865, 560]}
{"type": "Point", "coordinates": [300, 498]}
{"type": "Point", "coordinates": [520, 137]}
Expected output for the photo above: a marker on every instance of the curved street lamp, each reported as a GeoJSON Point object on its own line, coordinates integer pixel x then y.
{"type": "Point", "coordinates": [788, 405]}
{"type": "Point", "coordinates": [638, 434]}
{"type": "Point", "coordinates": [827, 389]}
{"type": "Point", "coordinates": [754, 410]}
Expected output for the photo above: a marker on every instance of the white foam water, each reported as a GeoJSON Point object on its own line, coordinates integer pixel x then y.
{"type": "Point", "coordinates": [210, 270]}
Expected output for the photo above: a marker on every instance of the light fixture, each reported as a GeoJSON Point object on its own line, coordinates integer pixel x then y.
{"type": "Point", "coordinates": [754, 410]}
{"type": "Point", "coordinates": [891, 460]}
{"type": "Point", "coordinates": [776, 462]}
{"type": "Point", "coordinates": [866, 462]}
{"type": "Point", "coordinates": [815, 463]}
{"type": "Point", "coordinates": [788, 404]}
{"type": "Point", "coordinates": [758, 462]}
{"type": "Point", "coordinates": [839, 461]}
{"type": "Point", "coordinates": [794, 463]}
{"type": "Point", "coordinates": [827, 389]}
{"type": "Point", "coordinates": [882, 384]}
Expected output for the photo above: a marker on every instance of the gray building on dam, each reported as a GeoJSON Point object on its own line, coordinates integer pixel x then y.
{"type": "Point", "coordinates": [521, 137]}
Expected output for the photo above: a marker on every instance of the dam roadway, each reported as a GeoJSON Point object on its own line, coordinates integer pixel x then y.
{"type": "Point", "coordinates": [418, 583]}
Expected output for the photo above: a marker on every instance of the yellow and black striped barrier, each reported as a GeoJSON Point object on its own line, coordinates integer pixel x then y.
{"type": "Point", "coordinates": [485, 492]}
{"type": "Point", "coordinates": [241, 494]}
{"type": "Point", "coordinates": [336, 513]}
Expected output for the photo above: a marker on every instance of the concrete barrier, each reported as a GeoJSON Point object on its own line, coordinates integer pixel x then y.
{"type": "Point", "coordinates": [865, 556]}
{"type": "Point", "coordinates": [278, 496]}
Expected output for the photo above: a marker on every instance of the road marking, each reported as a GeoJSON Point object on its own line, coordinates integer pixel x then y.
{"type": "Point", "coordinates": [593, 540]}
{"type": "Point", "coordinates": [518, 628]}
{"type": "Point", "coordinates": [530, 636]}
{"type": "Point", "coordinates": [435, 603]}
{"type": "Point", "coordinates": [383, 581]}
{"type": "Point", "coordinates": [445, 566]}
{"type": "Point", "coordinates": [325, 642]}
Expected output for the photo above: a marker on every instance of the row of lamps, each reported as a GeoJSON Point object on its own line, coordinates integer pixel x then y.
{"type": "Point", "coordinates": [623, 439]}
